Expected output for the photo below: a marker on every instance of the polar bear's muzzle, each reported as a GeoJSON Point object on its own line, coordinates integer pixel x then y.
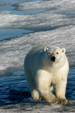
{"type": "Point", "coordinates": [53, 58]}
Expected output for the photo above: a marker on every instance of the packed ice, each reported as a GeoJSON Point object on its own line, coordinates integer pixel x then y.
{"type": "Point", "coordinates": [24, 24]}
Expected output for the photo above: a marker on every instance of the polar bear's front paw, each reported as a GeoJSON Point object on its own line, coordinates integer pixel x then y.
{"type": "Point", "coordinates": [54, 101]}
{"type": "Point", "coordinates": [50, 98]}
{"type": "Point", "coordinates": [62, 100]}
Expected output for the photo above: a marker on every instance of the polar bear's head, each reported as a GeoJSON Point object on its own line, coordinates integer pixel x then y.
{"type": "Point", "coordinates": [54, 54]}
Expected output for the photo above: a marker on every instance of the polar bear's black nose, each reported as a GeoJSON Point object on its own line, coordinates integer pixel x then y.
{"type": "Point", "coordinates": [53, 58]}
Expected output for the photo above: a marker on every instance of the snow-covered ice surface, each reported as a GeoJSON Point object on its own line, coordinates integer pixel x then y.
{"type": "Point", "coordinates": [15, 96]}
{"type": "Point", "coordinates": [24, 24]}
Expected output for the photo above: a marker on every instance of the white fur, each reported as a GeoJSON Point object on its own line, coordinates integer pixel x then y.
{"type": "Point", "coordinates": [42, 72]}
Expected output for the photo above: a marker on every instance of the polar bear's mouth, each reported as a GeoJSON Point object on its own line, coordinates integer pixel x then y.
{"type": "Point", "coordinates": [53, 58]}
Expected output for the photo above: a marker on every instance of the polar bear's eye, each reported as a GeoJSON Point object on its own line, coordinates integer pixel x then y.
{"type": "Point", "coordinates": [57, 53]}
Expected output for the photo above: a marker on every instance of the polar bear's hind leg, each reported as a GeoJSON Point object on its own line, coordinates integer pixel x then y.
{"type": "Point", "coordinates": [32, 86]}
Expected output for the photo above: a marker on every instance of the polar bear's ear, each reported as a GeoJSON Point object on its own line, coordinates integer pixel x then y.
{"type": "Point", "coordinates": [45, 49]}
{"type": "Point", "coordinates": [63, 50]}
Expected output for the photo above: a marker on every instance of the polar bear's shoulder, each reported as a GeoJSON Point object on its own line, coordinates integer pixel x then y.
{"type": "Point", "coordinates": [36, 49]}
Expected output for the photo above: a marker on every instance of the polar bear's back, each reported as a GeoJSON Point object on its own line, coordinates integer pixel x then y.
{"type": "Point", "coordinates": [32, 56]}
{"type": "Point", "coordinates": [38, 49]}
{"type": "Point", "coordinates": [33, 53]}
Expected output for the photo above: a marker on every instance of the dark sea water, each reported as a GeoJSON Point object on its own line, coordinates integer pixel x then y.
{"type": "Point", "coordinates": [24, 24]}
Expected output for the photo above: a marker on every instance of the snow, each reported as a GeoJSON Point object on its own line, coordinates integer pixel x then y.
{"type": "Point", "coordinates": [57, 15]}
{"type": "Point", "coordinates": [19, 46]}
{"type": "Point", "coordinates": [42, 21]}
{"type": "Point", "coordinates": [39, 107]}
{"type": "Point", "coordinates": [63, 5]}
{"type": "Point", "coordinates": [4, 3]}
{"type": "Point", "coordinates": [23, 25]}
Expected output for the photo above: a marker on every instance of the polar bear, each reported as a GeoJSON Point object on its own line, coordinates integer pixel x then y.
{"type": "Point", "coordinates": [45, 67]}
